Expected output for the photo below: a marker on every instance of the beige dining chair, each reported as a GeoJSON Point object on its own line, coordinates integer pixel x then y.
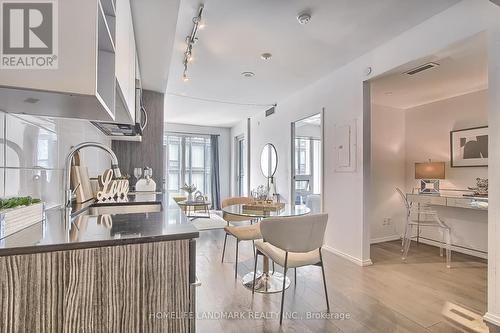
{"type": "Point", "coordinates": [241, 233]}
{"type": "Point", "coordinates": [230, 218]}
{"type": "Point", "coordinates": [293, 242]}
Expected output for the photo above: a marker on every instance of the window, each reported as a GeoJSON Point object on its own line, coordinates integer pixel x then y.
{"type": "Point", "coordinates": [187, 161]}
{"type": "Point", "coordinates": [307, 167]}
{"type": "Point", "coordinates": [303, 156]}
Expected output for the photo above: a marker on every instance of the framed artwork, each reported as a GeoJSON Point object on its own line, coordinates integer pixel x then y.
{"type": "Point", "coordinates": [469, 147]}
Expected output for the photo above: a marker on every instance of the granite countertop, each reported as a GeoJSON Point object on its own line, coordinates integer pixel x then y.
{"type": "Point", "coordinates": [89, 231]}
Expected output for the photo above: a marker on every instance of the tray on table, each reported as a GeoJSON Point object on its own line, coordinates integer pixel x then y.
{"type": "Point", "coordinates": [263, 206]}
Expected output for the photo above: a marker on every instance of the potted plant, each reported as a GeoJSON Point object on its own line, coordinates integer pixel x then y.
{"type": "Point", "coordinates": [18, 213]}
{"type": "Point", "coordinates": [190, 189]}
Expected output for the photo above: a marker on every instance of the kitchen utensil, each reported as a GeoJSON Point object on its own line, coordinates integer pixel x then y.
{"type": "Point", "coordinates": [80, 180]}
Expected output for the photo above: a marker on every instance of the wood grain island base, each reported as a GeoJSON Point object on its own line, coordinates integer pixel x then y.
{"type": "Point", "coordinates": [124, 288]}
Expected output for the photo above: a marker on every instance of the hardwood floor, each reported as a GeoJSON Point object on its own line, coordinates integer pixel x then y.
{"type": "Point", "coordinates": [389, 296]}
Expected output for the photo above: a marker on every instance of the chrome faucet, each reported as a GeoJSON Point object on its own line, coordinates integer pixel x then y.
{"type": "Point", "coordinates": [67, 174]}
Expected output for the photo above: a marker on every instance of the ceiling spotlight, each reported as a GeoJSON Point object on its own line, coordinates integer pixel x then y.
{"type": "Point", "coordinates": [266, 56]}
{"type": "Point", "coordinates": [248, 74]}
{"type": "Point", "coordinates": [304, 18]}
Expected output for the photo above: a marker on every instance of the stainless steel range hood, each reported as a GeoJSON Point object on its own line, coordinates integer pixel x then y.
{"type": "Point", "coordinates": [126, 131]}
{"type": "Point", "coordinates": [122, 132]}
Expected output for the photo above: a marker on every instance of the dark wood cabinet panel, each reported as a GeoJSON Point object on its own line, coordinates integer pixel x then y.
{"type": "Point", "coordinates": [149, 152]}
{"type": "Point", "coordinates": [108, 289]}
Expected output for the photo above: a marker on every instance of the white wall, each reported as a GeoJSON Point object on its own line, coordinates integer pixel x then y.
{"type": "Point", "coordinates": [224, 149]}
{"type": "Point", "coordinates": [341, 93]}
{"type": "Point", "coordinates": [388, 172]}
{"type": "Point", "coordinates": [428, 136]}
{"type": "Point", "coordinates": [493, 314]}
{"type": "Point", "coordinates": [402, 137]}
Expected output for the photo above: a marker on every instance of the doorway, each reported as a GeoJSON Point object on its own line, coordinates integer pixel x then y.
{"type": "Point", "coordinates": [411, 116]}
{"type": "Point", "coordinates": [307, 162]}
{"type": "Point", "coordinates": [241, 165]}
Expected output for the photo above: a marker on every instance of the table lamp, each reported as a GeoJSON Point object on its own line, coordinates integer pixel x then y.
{"type": "Point", "coordinates": [429, 174]}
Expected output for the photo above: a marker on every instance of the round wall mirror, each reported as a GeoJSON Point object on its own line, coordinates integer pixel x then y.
{"type": "Point", "coordinates": [268, 160]}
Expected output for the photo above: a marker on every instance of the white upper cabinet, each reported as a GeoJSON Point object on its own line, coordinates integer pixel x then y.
{"type": "Point", "coordinates": [125, 63]}
{"type": "Point", "coordinates": [93, 46]}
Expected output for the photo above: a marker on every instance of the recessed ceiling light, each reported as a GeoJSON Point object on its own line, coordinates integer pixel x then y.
{"type": "Point", "coordinates": [266, 56]}
{"type": "Point", "coordinates": [304, 18]}
{"type": "Point", "coordinates": [248, 74]}
{"type": "Point", "coordinates": [388, 93]}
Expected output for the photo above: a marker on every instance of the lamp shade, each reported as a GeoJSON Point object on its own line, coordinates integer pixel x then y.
{"type": "Point", "coordinates": [430, 170]}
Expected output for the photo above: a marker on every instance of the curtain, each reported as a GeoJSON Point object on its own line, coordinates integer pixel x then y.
{"type": "Point", "coordinates": [214, 148]}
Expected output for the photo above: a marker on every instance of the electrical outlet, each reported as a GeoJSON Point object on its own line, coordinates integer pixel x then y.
{"type": "Point", "coordinates": [387, 221]}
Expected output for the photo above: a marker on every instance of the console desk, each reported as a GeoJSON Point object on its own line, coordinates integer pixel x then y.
{"type": "Point", "coordinates": [466, 215]}
{"type": "Point", "coordinates": [458, 201]}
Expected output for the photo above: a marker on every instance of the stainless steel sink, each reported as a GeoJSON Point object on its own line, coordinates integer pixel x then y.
{"type": "Point", "coordinates": [124, 208]}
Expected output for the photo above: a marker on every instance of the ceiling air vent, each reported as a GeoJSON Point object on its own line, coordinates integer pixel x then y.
{"type": "Point", "coordinates": [270, 111]}
{"type": "Point", "coordinates": [422, 68]}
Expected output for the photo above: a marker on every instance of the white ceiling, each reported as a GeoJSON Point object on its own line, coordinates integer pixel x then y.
{"type": "Point", "coordinates": [463, 69]}
{"type": "Point", "coordinates": [238, 31]}
{"type": "Point", "coordinates": [154, 27]}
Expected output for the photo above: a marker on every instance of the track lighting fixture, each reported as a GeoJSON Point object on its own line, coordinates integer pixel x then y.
{"type": "Point", "coordinates": [190, 41]}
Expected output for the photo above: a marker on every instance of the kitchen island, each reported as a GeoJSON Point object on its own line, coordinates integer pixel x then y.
{"type": "Point", "coordinates": [109, 272]}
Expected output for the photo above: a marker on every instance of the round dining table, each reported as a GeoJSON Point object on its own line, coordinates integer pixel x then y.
{"type": "Point", "coordinates": [266, 282]}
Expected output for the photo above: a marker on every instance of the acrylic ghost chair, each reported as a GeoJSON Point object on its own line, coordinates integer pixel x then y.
{"type": "Point", "coordinates": [431, 219]}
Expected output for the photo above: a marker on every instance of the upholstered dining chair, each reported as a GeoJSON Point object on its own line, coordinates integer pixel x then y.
{"type": "Point", "coordinates": [230, 218]}
{"type": "Point", "coordinates": [431, 219]}
{"type": "Point", "coordinates": [241, 233]}
{"type": "Point", "coordinates": [293, 242]}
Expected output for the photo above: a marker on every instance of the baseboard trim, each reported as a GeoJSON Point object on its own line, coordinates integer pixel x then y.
{"type": "Point", "coordinates": [385, 239]}
{"type": "Point", "coordinates": [455, 248]}
{"type": "Point", "coordinates": [492, 319]}
{"type": "Point", "coordinates": [344, 255]}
